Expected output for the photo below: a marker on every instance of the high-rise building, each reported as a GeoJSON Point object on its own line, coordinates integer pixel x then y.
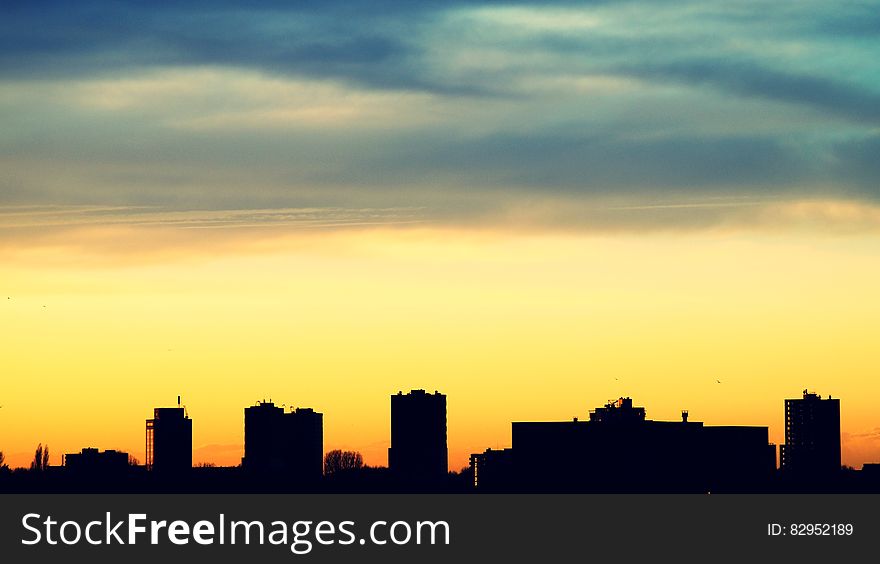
{"type": "Point", "coordinates": [289, 445]}
{"type": "Point", "coordinates": [262, 437]}
{"type": "Point", "coordinates": [812, 436]}
{"type": "Point", "coordinates": [305, 444]}
{"type": "Point", "coordinates": [169, 441]}
{"type": "Point", "coordinates": [418, 436]}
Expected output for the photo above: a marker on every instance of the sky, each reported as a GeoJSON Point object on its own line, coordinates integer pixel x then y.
{"type": "Point", "coordinates": [532, 207]}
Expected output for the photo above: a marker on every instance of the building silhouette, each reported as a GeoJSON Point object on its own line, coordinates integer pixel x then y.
{"type": "Point", "coordinates": [812, 436]}
{"type": "Point", "coordinates": [283, 444]}
{"type": "Point", "coordinates": [262, 437]}
{"type": "Point", "coordinates": [92, 463]}
{"type": "Point", "coordinates": [493, 470]}
{"type": "Point", "coordinates": [871, 470]}
{"type": "Point", "coordinates": [619, 450]}
{"type": "Point", "coordinates": [169, 441]}
{"type": "Point", "coordinates": [616, 449]}
{"type": "Point", "coordinates": [418, 451]}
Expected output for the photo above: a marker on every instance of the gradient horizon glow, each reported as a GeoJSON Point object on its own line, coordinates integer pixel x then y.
{"type": "Point", "coordinates": [530, 207]}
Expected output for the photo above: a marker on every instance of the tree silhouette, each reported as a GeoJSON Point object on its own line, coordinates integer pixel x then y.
{"type": "Point", "coordinates": [41, 458]}
{"type": "Point", "coordinates": [2, 460]}
{"type": "Point", "coordinates": [132, 461]}
{"type": "Point", "coordinates": [341, 460]}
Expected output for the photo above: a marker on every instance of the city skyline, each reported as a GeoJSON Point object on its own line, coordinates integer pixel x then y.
{"type": "Point", "coordinates": [617, 449]}
{"type": "Point", "coordinates": [270, 437]}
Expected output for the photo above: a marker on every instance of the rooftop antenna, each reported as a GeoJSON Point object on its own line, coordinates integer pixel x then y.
{"type": "Point", "coordinates": [185, 412]}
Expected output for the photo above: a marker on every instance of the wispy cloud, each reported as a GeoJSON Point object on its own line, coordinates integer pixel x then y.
{"type": "Point", "coordinates": [28, 217]}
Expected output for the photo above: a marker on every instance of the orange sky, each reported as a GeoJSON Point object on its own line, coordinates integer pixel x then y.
{"type": "Point", "coordinates": [101, 324]}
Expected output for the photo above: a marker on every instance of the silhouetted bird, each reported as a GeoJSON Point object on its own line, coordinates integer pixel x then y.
{"type": "Point", "coordinates": [717, 381]}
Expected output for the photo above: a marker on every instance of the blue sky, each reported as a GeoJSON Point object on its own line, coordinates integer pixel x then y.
{"type": "Point", "coordinates": [576, 114]}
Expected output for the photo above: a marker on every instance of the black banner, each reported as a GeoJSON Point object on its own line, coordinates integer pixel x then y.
{"type": "Point", "coordinates": [436, 528]}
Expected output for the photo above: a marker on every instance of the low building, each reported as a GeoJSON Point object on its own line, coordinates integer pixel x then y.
{"type": "Point", "coordinates": [90, 462]}
{"type": "Point", "coordinates": [493, 470]}
{"type": "Point", "coordinates": [618, 450]}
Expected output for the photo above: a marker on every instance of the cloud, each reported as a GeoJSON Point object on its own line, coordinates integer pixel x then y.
{"type": "Point", "coordinates": [872, 435]}
{"type": "Point", "coordinates": [30, 217]}
{"type": "Point", "coordinates": [375, 44]}
{"type": "Point", "coordinates": [468, 111]}
{"type": "Point", "coordinates": [857, 19]}
{"type": "Point", "coordinates": [858, 159]}
{"type": "Point", "coordinates": [600, 163]}
{"type": "Point", "coordinates": [861, 445]}
{"type": "Point", "coordinates": [83, 236]}
{"type": "Point", "coordinates": [46, 39]}
{"type": "Point", "coordinates": [72, 234]}
{"type": "Point", "coordinates": [751, 79]}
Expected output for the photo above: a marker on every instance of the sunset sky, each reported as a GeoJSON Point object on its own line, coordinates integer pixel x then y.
{"type": "Point", "coordinates": [533, 207]}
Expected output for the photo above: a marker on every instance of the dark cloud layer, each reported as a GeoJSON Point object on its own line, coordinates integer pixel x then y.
{"type": "Point", "coordinates": [374, 43]}
{"type": "Point", "coordinates": [751, 79]}
{"type": "Point", "coordinates": [859, 160]}
{"type": "Point", "coordinates": [108, 37]}
{"type": "Point", "coordinates": [596, 164]}
{"type": "Point", "coordinates": [704, 99]}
